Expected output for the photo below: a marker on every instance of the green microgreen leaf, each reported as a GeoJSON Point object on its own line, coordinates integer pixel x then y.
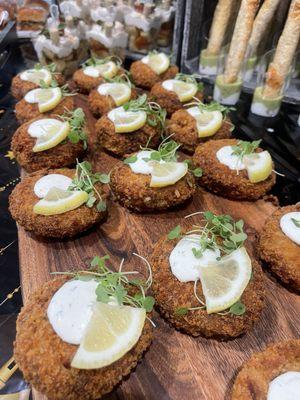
{"type": "Point", "coordinates": [237, 308]}
{"type": "Point", "coordinates": [296, 222]}
{"type": "Point", "coordinates": [180, 311]}
{"type": "Point", "coordinates": [197, 253]}
{"type": "Point", "coordinates": [197, 172]}
{"type": "Point", "coordinates": [174, 233]}
{"type": "Point", "coordinates": [130, 160]}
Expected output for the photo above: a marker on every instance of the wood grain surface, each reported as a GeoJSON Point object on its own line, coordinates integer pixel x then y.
{"type": "Point", "coordinates": [176, 366]}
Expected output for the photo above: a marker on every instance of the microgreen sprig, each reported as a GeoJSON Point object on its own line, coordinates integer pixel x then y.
{"type": "Point", "coordinates": [86, 180]}
{"type": "Point", "coordinates": [156, 116]}
{"type": "Point", "coordinates": [190, 79]}
{"type": "Point", "coordinates": [212, 106]}
{"type": "Point", "coordinates": [65, 90]}
{"type": "Point", "coordinates": [94, 61]}
{"type": "Point", "coordinates": [296, 222]}
{"type": "Point", "coordinates": [243, 148]}
{"type": "Point", "coordinates": [76, 120]}
{"type": "Point", "coordinates": [123, 78]}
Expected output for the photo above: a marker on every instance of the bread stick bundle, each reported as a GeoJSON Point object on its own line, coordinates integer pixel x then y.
{"type": "Point", "coordinates": [228, 85]}
{"type": "Point", "coordinates": [222, 16]}
{"type": "Point", "coordinates": [267, 98]}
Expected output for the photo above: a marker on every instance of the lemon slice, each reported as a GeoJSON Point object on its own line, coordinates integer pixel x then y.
{"type": "Point", "coordinates": [158, 62]}
{"type": "Point", "coordinates": [165, 174]}
{"type": "Point", "coordinates": [184, 90]}
{"type": "Point", "coordinates": [48, 99]}
{"type": "Point", "coordinates": [208, 122]}
{"type": "Point", "coordinates": [112, 331]}
{"type": "Point", "coordinates": [120, 92]}
{"type": "Point", "coordinates": [36, 76]}
{"type": "Point", "coordinates": [58, 201]}
{"type": "Point", "coordinates": [127, 121]}
{"type": "Point", "coordinates": [55, 134]}
{"type": "Point", "coordinates": [223, 282]}
{"type": "Point", "coordinates": [258, 165]}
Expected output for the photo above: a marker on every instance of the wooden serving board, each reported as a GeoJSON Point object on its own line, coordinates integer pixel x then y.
{"type": "Point", "coordinates": [176, 366]}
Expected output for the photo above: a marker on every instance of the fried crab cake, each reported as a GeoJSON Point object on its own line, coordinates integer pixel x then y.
{"type": "Point", "coordinates": [44, 358]}
{"type": "Point", "coordinates": [169, 99]}
{"type": "Point", "coordinates": [27, 111]}
{"type": "Point", "coordinates": [144, 77]}
{"type": "Point", "coordinates": [171, 295]}
{"type": "Point", "coordinates": [23, 198]}
{"type": "Point", "coordinates": [272, 374]}
{"type": "Point", "coordinates": [63, 154]}
{"type": "Point", "coordinates": [183, 127]}
{"type": "Point", "coordinates": [224, 181]}
{"type": "Point", "coordinates": [101, 104]}
{"type": "Point", "coordinates": [19, 87]}
{"type": "Point", "coordinates": [133, 190]}
{"type": "Point", "coordinates": [279, 245]}
{"type": "Point", "coordinates": [120, 143]}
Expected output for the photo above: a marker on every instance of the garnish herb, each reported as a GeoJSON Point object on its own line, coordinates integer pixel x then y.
{"type": "Point", "coordinates": [175, 233]}
{"type": "Point", "coordinates": [243, 148]}
{"type": "Point", "coordinates": [50, 67]}
{"type": "Point", "coordinates": [212, 106]}
{"type": "Point", "coordinates": [156, 116]}
{"type": "Point", "coordinates": [197, 172]}
{"type": "Point", "coordinates": [86, 180]}
{"type": "Point", "coordinates": [237, 308]}
{"type": "Point", "coordinates": [94, 61]}
{"type": "Point", "coordinates": [76, 120]}
{"type": "Point", "coordinates": [165, 152]}
{"type": "Point", "coordinates": [65, 91]}
{"type": "Point", "coordinates": [296, 222]}
{"type": "Point", "coordinates": [124, 78]}
{"type": "Point", "coordinates": [130, 160]}
{"type": "Point", "coordinates": [190, 79]}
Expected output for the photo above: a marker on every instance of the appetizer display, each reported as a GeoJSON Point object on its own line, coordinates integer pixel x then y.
{"type": "Point", "coordinates": [94, 71]}
{"type": "Point", "coordinates": [51, 142]}
{"type": "Point", "coordinates": [49, 99]}
{"type": "Point", "coordinates": [34, 78]}
{"type": "Point", "coordinates": [80, 334]}
{"type": "Point", "coordinates": [273, 374]}
{"type": "Point", "coordinates": [60, 203]}
{"type": "Point", "coordinates": [125, 129]}
{"type": "Point", "coordinates": [113, 93]}
{"type": "Point", "coordinates": [151, 69]}
{"type": "Point", "coordinates": [152, 180]}
{"type": "Point", "coordinates": [279, 245]}
{"type": "Point", "coordinates": [199, 123]}
{"type": "Point", "coordinates": [206, 281]}
{"type": "Point", "coordinates": [235, 169]}
{"type": "Point", "coordinates": [173, 94]}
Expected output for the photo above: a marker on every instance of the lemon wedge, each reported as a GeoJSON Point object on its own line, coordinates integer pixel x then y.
{"type": "Point", "coordinates": [168, 173]}
{"type": "Point", "coordinates": [120, 92]}
{"type": "Point", "coordinates": [54, 134]}
{"type": "Point", "coordinates": [208, 122]}
{"type": "Point", "coordinates": [184, 90]}
{"type": "Point", "coordinates": [258, 165]}
{"type": "Point", "coordinates": [58, 201]}
{"type": "Point", "coordinates": [48, 99]}
{"type": "Point", "coordinates": [224, 281]}
{"type": "Point", "coordinates": [112, 331]}
{"type": "Point", "coordinates": [36, 76]}
{"type": "Point", "coordinates": [107, 70]}
{"type": "Point", "coordinates": [127, 121]}
{"type": "Point", "coordinates": [158, 62]}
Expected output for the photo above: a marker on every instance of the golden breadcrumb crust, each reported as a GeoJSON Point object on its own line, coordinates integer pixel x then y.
{"type": "Point", "coordinates": [184, 128]}
{"type": "Point", "coordinates": [252, 382]}
{"type": "Point", "coordinates": [221, 180]}
{"type": "Point", "coordinates": [280, 252]}
{"type": "Point", "coordinates": [19, 87]}
{"type": "Point", "coordinates": [144, 77]}
{"type": "Point", "coordinates": [44, 358]}
{"type": "Point", "coordinates": [171, 294]}
{"type": "Point", "coordinates": [23, 198]}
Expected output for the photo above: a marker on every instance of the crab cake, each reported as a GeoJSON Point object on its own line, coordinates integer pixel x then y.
{"type": "Point", "coordinates": [126, 129]}
{"type": "Point", "coordinates": [229, 173]}
{"type": "Point", "coordinates": [185, 131]}
{"type": "Point", "coordinates": [110, 95]}
{"type": "Point", "coordinates": [174, 94]}
{"type": "Point", "coordinates": [26, 111]}
{"type": "Point", "coordinates": [45, 358]}
{"type": "Point", "coordinates": [140, 186]}
{"type": "Point", "coordinates": [62, 154]}
{"type": "Point", "coordinates": [19, 86]}
{"type": "Point", "coordinates": [32, 190]}
{"type": "Point", "coordinates": [272, 374]}
{"type": "Point", "coordinates": [279, 245]}
{"type": "Point", "coordinates": [90, 76]}
{"type": "Point", "coordinates": [153, 68]}
{"type": "Point", "coordinates": [177, 280]}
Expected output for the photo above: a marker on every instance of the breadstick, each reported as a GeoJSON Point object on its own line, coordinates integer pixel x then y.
{"type": "Point", "coordinates": [285, 51]}
{"type": "Point", "coordinates": [261, 23]}
{"type": "Point", "coordinates": [221, 18]}
{"type": "Point", "coordinates": [240, 38]}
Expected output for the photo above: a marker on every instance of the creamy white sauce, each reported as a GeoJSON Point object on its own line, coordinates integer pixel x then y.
{"type": "Point", "coordinates": [194, 111]}
{"type": "Point", "coordinates": [118, 114]}
{"type": "Point", "coordinates": [289, 228]}
{"type": "Point", "coordinates": [44, 184]}
{"type": "Point", "coordinates": [208, 70]}
{"type": "Point", "coordinates": [28, 74]}
{"type": "Point", "coordinates": [285, 387]}
{"type": "Point", "coordinates": [97, 70]}
{"type": "Point", "coordinates": [184, 265]}
{"type": "Point", "coordinates": [31, 96]}
{"type": "Point", "coordinates": [70, 309]}
{"type": "Point", "coordinates": [41, 126]}
{"type": "Point", "coordinates": [228, 100]}
{"type": "Point", "coordinates": [260, 109]}
{"type": "Point", "coordinates": [140, 166]}
{"type": "Point", "coordinates": [109, 89]}
{"type": "Point", "coordinates": [225, 156]}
